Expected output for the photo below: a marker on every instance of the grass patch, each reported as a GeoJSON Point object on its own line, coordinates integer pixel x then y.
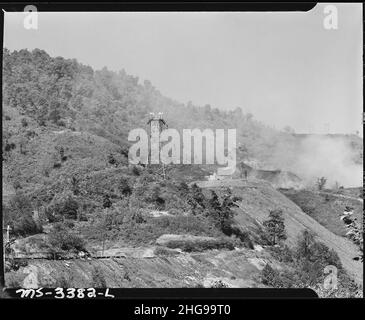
{"type": "Point", "coordinates": [201, 245]}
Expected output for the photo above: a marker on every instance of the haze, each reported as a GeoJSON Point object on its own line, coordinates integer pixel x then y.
{"type": "Point", "coordinates": [285, 68]}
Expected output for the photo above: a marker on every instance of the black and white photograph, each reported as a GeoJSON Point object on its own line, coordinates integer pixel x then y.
{"type": "Point", "coordinates": [183, 149]}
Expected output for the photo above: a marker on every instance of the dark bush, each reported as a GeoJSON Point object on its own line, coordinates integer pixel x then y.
{"type": "Point", "coordinates": [305, 264]}
{"type": "Point", "coordinates": [184, 225]}
{"type": "Point", "coordinates": [162, 251]}
{"type": "Point", "coordinates": [136, 171]}
{"type": "Point", "coordinates": [273, 278]}
{"type": "Point", "coordinates": [107, 202]}
{"type": "Point", "coordinates": [69, 224]}
{"type": "Point", "coordinates": [275, 227]}
{"type": "Point", "coordinates": [67, 208]}
{"type": "Point", "coordinates": [124, 187]}
{"type": "Point", "coordinates": [24, 122]}
{"type": "Point", "coordinates": [26, 226]}
{"type": "Point", "coordinates": [18, 214]}
{"type": "Point", "coordinates": [282, 254]}
{"type": "Point", "coordinates": [61, 238]}
{"type": "Point", "coordinates": [243, 236]}
{"type": "Point", "coordinates": [9, 146]}
{"type": "Point", "coordinates": [111, 159]}
{"type": "Point", "coordinates": [220, 284]}
{"type": "Point", "coordinates": [198, 246]}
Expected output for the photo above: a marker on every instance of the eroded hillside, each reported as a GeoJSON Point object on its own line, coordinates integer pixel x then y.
{"type": "Point", "coordinates": [258, 198]}
{"type": "Point", "coordinates": [238, 268]}
{"type": "Point", "coordinates": [68, 185]}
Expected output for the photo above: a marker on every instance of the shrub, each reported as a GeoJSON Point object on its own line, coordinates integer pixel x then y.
{"type": "Point", "coordinates": [219, 284]}
{"type": "Point", "coordinates": [111, 159]}
{"type": "Point", "coordinates": [162, 251]}
{"type": "Point", "coordinates": [69, 224]}
{"type": "Point", "coordinates": [243, 236]}
{"type": "Point", "coordinates": [57, 165]}
{"type": "Point", "coordinates": [18, 214]}
{"type": "Point", "coordinates": [24, 122]}
{"type": "Point", "coordinates": [201, 245]}
{"type": "Point", "coordinates": [184, 225]}
{"type": "Point", "coordinates": [268, 275]}
{"type": "Point", "coordinates": [107, 202]}
{"type": "Point", "coordinates": [276, 279]}
{"type": "Point", "coordinates": [221, 212]}
{"type": "Point", "coordinates": [124, 187]}
{"type": "Point", "coordinates": [308, 249]}
{"type": "Point", "coordinates": [64, 207]}
{"type": "Point", "coordinates": [275, 227]}
{"type": "Point", "coordinates": [98, 278]}
{"type": "Point", "coordinates": [12, 282]}
{"type": "Point", "coordinates": [199, 285]}
{"type": "Point", "coordinates": [9, 146]}
{"type": "Point", "coordinates": [62, 239]}
{"type": "Point", "coordinates": [26, 226]}
{"type": "Point", "coordinates": [282, 254]}
{"type": "Point", "coordinates": [305, 266]}
{"type": "Point", "coordinates": [321, 182]}
{"type": "Point", "coordinates": [15, 264]}
{"type": "Point", "coordinates": [136, 171]}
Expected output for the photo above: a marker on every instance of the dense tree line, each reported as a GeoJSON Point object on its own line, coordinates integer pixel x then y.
{"type": "Point", "coordinates": [41, 92]}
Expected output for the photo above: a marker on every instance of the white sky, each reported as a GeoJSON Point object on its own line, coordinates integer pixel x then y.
{"type": "Point", "coordinates": [285, 68]}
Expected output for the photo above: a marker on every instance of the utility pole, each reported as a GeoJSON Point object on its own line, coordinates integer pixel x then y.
{"type": "Point", "coordinates": [2, 260]}
{"type": "Point", "coordinates": [7, 234]}
{"type": "Point", "coordinates": [157, 124]}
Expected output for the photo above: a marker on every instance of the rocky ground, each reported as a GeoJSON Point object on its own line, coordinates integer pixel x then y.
{"type": "Point", "coordinates": [147, 267]}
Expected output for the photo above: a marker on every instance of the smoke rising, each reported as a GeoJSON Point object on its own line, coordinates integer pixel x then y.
{"type": "Point", "coordinates": [338, 158]}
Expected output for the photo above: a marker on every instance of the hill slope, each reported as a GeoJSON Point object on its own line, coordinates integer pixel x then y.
{"type": "Point", "coordinates": [236, 268]}
{"type": "Point", "coordinates": [258, 198]}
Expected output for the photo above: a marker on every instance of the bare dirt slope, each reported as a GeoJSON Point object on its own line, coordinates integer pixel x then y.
{"type": "Point", "coordinates": [327, 207]}
{"type": "Point", "coordinates": [259, 197]}
{"type": "Point", "coordinates": [236, 268]}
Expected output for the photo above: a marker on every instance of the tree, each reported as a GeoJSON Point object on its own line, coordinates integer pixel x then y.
{"type": "Point", "coordinates": [61, 238]}
{"type": "Point", "coordinates": [196, 199]}
{"type": "Point", "coordinates": [106, 201]}
{"type": "Point", "coordinates": [321, 182]}
{"type": "Point", "coordinates": [355, 232]}
{"type": "Point", "coordinates": [19, 215]}
{"type": "Point", "coordinates": [24, 122]}
{"type": "Point", "coordinates": [226, 213]}
{"type": "Point", "coordinates": [75, 185]}
{"type": "Point", "coordinates": [221, 212]}
{"type": "Point", "coordinates": [111, 159]}
{"type": "Point", "coordinates": [214, 206]}
{"type": "Point", "coordinates": [66, 207]}
{"type": "Point", "coordinates": [275, 227]}
{"type": "Point", "coordinates": [306, 240]}
{"type": "Point", "coordinates": [269, 276]}
{"type": "Point", "coordinates": [124, 187]}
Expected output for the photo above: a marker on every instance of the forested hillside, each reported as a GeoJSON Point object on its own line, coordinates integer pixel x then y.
{"type": "Point", "coordinates": [43, 93]}
{"type": "Point", "coordinates": [68, 186]}
{"type": "Point", "coordinates": [65, 147]}
{"type": "Point", "coordinates": [60, 116]}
